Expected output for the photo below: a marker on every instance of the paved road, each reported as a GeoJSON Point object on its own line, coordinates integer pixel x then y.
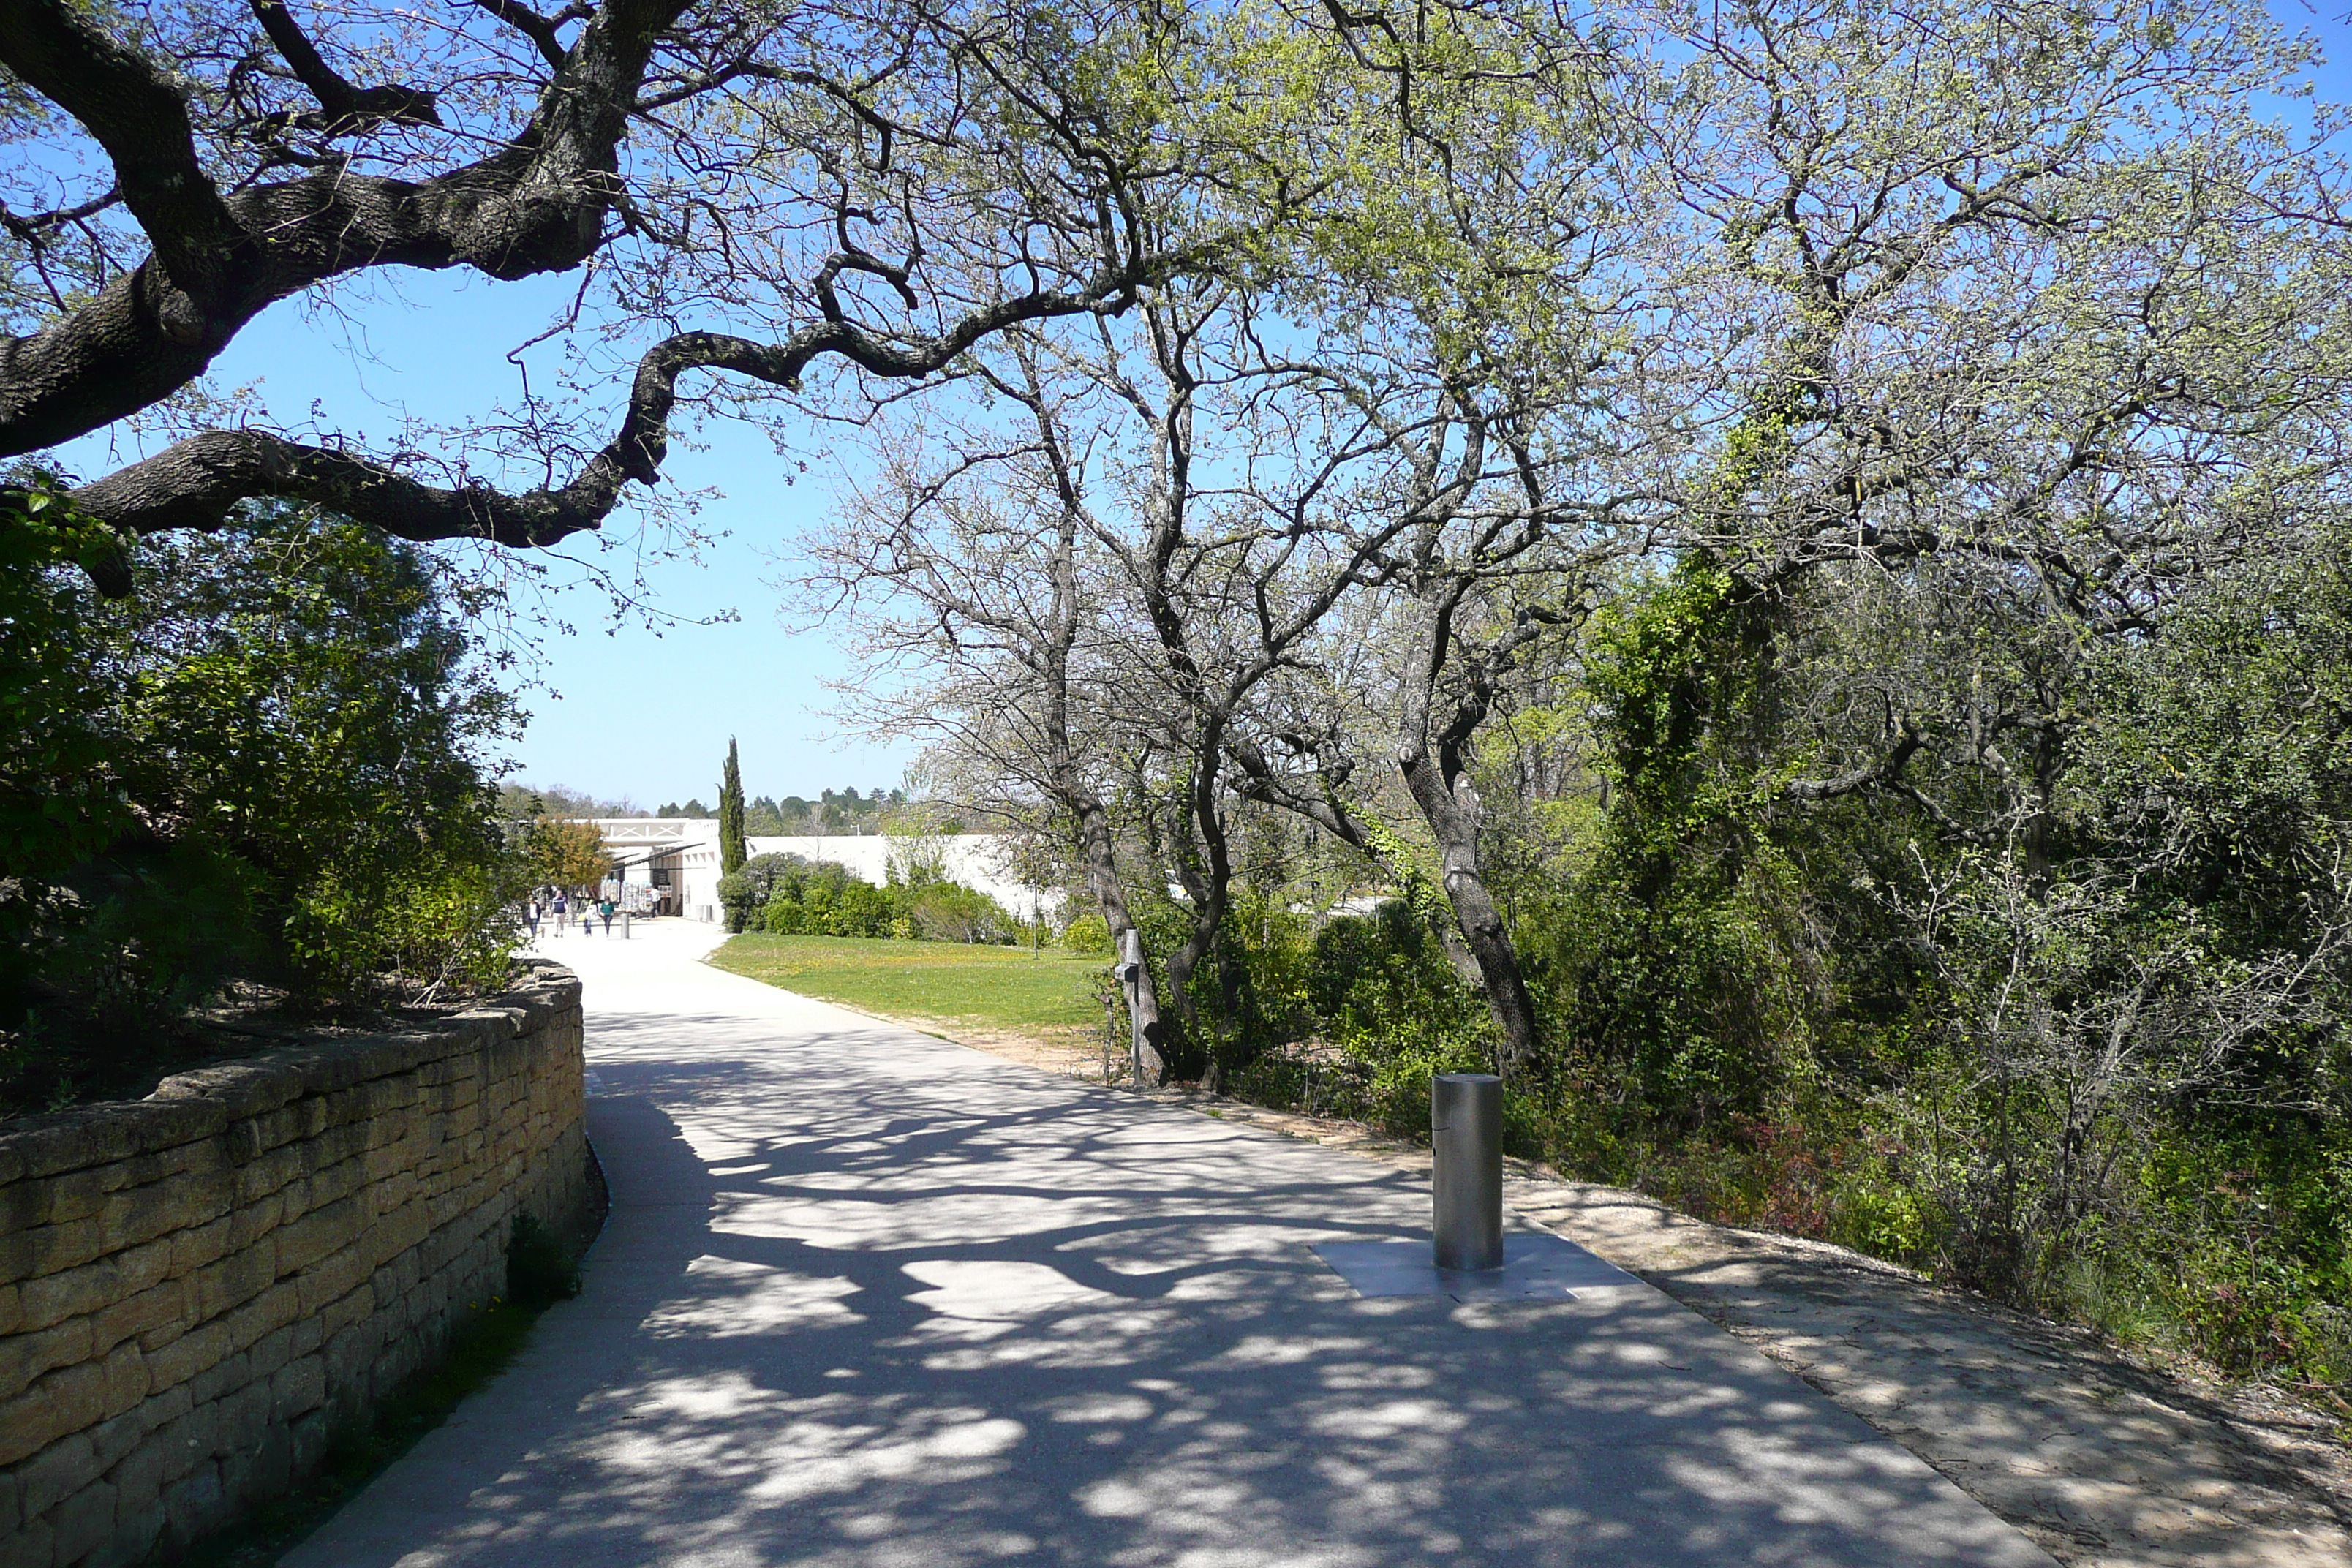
{"type": "Point", "coordinates": [870, 1299]}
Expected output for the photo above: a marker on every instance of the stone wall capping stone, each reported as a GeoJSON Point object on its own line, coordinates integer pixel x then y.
{"type": "Point", "coordinates": [195, 1287]}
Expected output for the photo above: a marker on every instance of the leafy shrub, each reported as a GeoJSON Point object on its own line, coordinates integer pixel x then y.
{"type": "Point", "coordinates": [265, 763]}
{"type": "Point", "coordinates": [1087, 936]}
{"type": "Point", "coordinates": [949, 911]}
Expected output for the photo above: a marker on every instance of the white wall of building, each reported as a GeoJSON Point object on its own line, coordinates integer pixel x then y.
{"type": "Point", "coordinates": [680, 856]}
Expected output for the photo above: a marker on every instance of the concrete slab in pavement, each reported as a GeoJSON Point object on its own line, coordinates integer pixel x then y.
{"type": "Point", "coordinates": [867, 1298]}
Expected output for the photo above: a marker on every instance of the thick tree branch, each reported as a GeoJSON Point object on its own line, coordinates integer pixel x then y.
{"type": "Point", "coordinates": [1882, 773]}
{"type": "Point", "coordinates": [540, 30]}
{"type": "Point", "coordinates": [538, 205]}
{"type": "Point", "coordinates": [348, 107]}
{"type": "Point", "coordinates": [140, 118]}
{"type": "Point", "coordinates": [197, 482]}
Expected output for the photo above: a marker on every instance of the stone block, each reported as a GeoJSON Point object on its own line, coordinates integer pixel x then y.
{"type": "Point", "coordinates": [339, 1180]}
{"type": "Point", "coordinates": [319, 1233]}
{"type": "Point", "coordinates": [84, 1522]}
{"type": "Point", "coordinates": [194, 1503]}
{"type": "Point", "coordinates": [269, 1352]}
{"type": "Point", "coordinates": [190, 1356]}
{"type": "Point", "coordinates": [337, 1144]}
{"type": "Point", "coordinates": [114, 1437]}
{"type": "Point", "coordinates": [79, 1194]}
{"type": "Point", "coordinates": [138, 1478]}
{"type": "Point", "coordinates": [299, 1387]}
{"type": "Point", "coordinates": [12, 1512]}
{"type": "Point", "coordinates": [243, 1089]}
{"type": "Point", "coordinates": [49, 1249]}
{"type": "Point", "coordinates": [92, 1287]}
{"type": "Point", "coordinates": [64, 1402]}
{"type": "Point", "coordinates": [16, 1256]}
{"type": "Point", "coordinates": [140, 1316]}
{"type": "Point", "coordinates": [182, 1444]}
{"type": "Point", "coordinates": [200, 1244]}
{"type": "Point", "coordinates": [34, 1546]}
{"type": "Point", "coordinates": [355, 1307]}
{"type": "Point", "coordinates": [398, 1231]}
{"type": "Point", "coordinates": [258, 1469]}
{"type": "Point", "coordinates": [55, 1474]}
{"type": "Point", "coordinates": [311, 1436]}
{"type": "Point", "coordinates": [225, 1380]}
{"type": "Point", "coordinates": [24, 1357]}
{"type": "Point", "coordinates": [352, 1354]}
{"type": "Point", "coordinates": [295, 1200]}
{"type": "Point", "coordinates": [127, 1381]}
{"type": "Point", "coordinates": [231, 1281]}
{"type": "Point", "coordinates": [244, 1429]}
{"type": "Point", "coordinates": [266, 1173]}
{"type": "Point", "coordinates": [138, 1526]}
{"type": "Point", "coordinates": [253, 1221]}
{"type": "Point", "coordinates": [267, 1314]}
{"type": "Point", "coordinates": [136, 1214]}
{"type": "Point", "coordinates": [333, 1277]}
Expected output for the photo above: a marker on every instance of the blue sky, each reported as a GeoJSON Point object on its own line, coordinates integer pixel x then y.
{"type": "Point", "coordinates": [631, 710]}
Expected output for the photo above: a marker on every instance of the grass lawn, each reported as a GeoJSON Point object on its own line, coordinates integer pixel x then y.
{"type": "Point", "coordinates": [948, 982]}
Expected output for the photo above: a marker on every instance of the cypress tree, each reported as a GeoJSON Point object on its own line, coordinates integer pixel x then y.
{"type": "Point", "coordinates": [732, 851]}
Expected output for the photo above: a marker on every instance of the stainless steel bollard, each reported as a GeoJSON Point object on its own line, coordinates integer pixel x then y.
{"type": "Point", "coordinates": [624, 928]}
{"type": "Point", "coordinates": [1466, 1135]}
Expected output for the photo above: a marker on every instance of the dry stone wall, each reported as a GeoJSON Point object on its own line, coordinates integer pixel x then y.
{"type": "Point", "coordinates": [197, 1288]}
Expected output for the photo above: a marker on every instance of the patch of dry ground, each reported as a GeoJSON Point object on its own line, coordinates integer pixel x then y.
{"type": "Point", "coordinates": [2104, 1462]}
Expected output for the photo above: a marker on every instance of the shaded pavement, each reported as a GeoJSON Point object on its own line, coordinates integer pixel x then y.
{"type": "Point", "coordinates": [868, 1297]}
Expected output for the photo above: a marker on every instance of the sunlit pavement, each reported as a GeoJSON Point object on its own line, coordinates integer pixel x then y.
{"type": "Point", "coordinates": [867, 1298]}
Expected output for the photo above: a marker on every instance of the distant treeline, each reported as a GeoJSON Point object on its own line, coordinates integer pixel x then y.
{"type": "Point", "coordinates": [845, 811]}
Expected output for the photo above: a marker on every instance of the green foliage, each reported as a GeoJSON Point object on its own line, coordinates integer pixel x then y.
{"type": "Point", "coordinates": [1382, 981]}
{"type": "Point", "coordinates": [61, 800]}
{"type": "Point", "coordinates": [949, 911]}
{"type": "Point", "coordinates": [1381, 990]}
{"type": "Point", "coordinates": [560, 854]}
{"type": "Point", "coordinates": [265, 763]}
{"type": "Point", "coordinates": [784, 895]}
{"type": "Point", "coordinates": [825, 900]}
{"type": "Point", "coordinates": [449, 926]}
{"type": "Point", "coordinates": [731, 850]}
{"type": "Point", "coordinates": [1089, 936]}
{"type": "Point", "coordinates": [1673, 965]}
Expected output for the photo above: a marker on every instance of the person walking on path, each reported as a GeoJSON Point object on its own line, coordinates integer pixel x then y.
{"type": "Point", "coordinates": [562, 908]}
{"type": "Point", "coordinates": [530, 915]}
{"type": "Point", "coordinates": [606, 911]}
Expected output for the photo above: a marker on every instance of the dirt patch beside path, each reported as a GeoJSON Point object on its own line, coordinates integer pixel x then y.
{"type": "Point", "coordinates": [2104, 1462]}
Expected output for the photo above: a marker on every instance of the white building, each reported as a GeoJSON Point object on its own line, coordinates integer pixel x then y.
{"type": "Point", "coordinates": [677, 857]}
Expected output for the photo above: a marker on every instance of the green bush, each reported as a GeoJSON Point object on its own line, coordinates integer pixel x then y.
{"type": "Point", "coordinates": [265, 763]}
{"type": "Point", "coordinates": [1087, 936]}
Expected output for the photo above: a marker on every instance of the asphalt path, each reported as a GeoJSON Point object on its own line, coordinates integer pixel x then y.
{"type": "Point", "coordinates": [867, 1298]}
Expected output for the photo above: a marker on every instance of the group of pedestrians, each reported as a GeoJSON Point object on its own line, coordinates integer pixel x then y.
{"type": "Point", "coordinates": [561, 907]}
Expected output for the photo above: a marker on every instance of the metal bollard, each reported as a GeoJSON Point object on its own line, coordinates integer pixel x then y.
{"type": "Point", "coordinates": [625, 927]}
{"type": "Point", "coordinates": [1465, 1137]}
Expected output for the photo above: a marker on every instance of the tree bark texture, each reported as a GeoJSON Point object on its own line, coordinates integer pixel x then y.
{"type": "Point", "coordinates": [1436, 775]}
{"type": "Point", "coordinates": [1102, 870]}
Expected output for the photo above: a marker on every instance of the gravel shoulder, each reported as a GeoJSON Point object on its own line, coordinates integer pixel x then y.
{"type": "Point", "coordinates": [2104, 1461]}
